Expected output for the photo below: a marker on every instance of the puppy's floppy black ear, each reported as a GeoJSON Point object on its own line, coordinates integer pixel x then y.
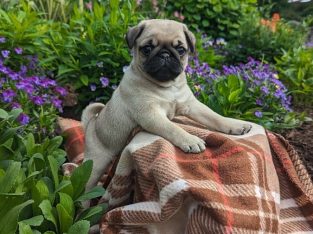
{"type": "Point", "coordinates": [191, 39]}
{"type": "Point", "coordinates": [132, 34]}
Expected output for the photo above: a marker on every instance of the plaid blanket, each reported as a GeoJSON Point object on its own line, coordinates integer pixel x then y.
{"type": "Point", "coordinates": [253, 183]}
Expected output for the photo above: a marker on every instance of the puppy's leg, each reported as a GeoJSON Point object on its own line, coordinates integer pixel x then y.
{"type": "Point", "coordinates": [204, 115]}
{"type": "Point", "coordinates": [98, 153]}
{"type": "Point", "coordinates": [156, 121]}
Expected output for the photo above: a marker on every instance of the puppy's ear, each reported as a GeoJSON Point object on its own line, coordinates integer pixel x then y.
{"type": "Point", "coordinates": [132, 34]}
{"type": "Point", "coordinates": [191, 39]}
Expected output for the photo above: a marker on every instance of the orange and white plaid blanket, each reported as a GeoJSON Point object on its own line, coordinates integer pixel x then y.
{"type": "Point", "coordinates": [253, 183]}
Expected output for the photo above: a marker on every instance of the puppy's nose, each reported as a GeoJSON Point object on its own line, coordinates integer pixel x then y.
{"type": "Point", "coordinates": [164, 54]}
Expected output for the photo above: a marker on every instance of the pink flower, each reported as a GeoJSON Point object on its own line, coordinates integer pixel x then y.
{"type": "Point", "coordinates": [88, 5]}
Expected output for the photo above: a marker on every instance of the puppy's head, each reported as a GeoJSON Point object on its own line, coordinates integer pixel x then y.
{"type": "Point", "coordinates": [161, 48]}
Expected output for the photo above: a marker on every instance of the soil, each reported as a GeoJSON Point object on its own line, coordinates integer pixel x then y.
{"type": "Point", "coordinates": [301, 139]}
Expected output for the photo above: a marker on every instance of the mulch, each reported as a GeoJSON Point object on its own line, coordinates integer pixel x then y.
{"type": "Point", "coordinates": [301, 139]}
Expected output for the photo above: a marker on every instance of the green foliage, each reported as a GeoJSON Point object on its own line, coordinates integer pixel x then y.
{"type": "Point", "coordinates": [34, 195]}
{"type": "Point", "coordinates": [296, 71]}
{"type": "Point", "coordinates": [216, 18]}
{"type": "Point", "coordinates": [263, 41]}
{"type": "Point", "coordinates": [250, 92]}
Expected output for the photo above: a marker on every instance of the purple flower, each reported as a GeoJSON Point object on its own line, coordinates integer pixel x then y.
{"type": "Point", "coordinates": [265, 90]}
{"type": "Point", "coordinates": [23, 119]}
{"type": "Point", "coordinates": [38, 100]}
{"type": "Point", "coordinates": [8, 95]}
{"type": "Point", "coordinates": [258, 114]}
{"type": "Point", "coordinates": [26, 86]}
{"type": "Point", "coordinates": [5, 53]}
{"type": "Point", "coordinates": [57, 103]}
{"type": "Point", "coordinates": [18, 50]}
{"type": "Point", "coordinates": [15, 105]}
{"type": "Point", "coordinates": [259, 102]}
{"type": "Point", "coordinates": [93, 87]}
{"type": "Point", "coordinates": [23, 69]}
{"type": "Point", "coordinates": [2, 39]}
{"type": "Point", "coordinates": [60, 90]}
{"type": "Point", "coordinates": [104, 81]}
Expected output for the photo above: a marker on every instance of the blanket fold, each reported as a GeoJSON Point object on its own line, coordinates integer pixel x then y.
{"type": "Point", "coordinates": [253, 183]}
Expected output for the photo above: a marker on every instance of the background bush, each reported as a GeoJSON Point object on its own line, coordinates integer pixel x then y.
{"type": "Point", "coordinates": [264, 39]}
{"type": "Point", "coordinates": [296, 71]}
{"type": "Point", "coordinates": [215, 18]}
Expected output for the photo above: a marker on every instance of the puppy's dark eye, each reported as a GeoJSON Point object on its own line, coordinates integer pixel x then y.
{"type": "Point", "coordinates": [181, 50]}
{"type": "Point", "coordinates": [146, 50]}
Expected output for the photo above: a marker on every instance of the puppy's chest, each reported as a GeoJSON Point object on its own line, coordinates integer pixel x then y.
{"type": "Point", "coordinates": [173, 101]}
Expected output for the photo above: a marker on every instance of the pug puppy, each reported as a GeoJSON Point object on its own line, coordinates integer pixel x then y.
{"type": "Point", "coordinates": [152, 92]}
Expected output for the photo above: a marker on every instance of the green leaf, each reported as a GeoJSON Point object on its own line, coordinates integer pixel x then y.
{"type": "Point", "coordinates": [93, 214]}
{"type": "Point", "coordinates": [8, 222]}
{"type": "Point", "coordinates": [54, 144]}
{"type": "Point", "coordinates": [67, 202]}
{"type": "Point", "coordinates": [3, 114]}
{"type": "Point", "coordinates": [95, 192]}
{"type": "Point", "coordinates": [7, 182]}
{"type": "Point", "coordinates": [9, 133]}
{"type": "Point", "coordinates": [46, 209]}
{"type": "Point", "coordinates": [54, 170]}
{"type": "Point", "coordinates": [84, 79]}
{"type": "Point", "coordinates": [34, 221]}
{"type": "Point", "coordinates": [80, 177]}
{"type": "Point", "coordinates": [62, 185]}
{"type": "Point", "coordinates": [65, 219]}
{"type": "Point", "coordinates": [81, 227]}
{"type": "Point", "coordinates": [24, 228]}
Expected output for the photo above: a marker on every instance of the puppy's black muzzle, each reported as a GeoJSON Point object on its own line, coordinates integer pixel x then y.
{"type": "Point", "coordinates": [163, 65]}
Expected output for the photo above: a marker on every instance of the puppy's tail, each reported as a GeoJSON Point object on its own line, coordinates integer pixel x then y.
{"type": "Point", "coordinates": [91, 111]}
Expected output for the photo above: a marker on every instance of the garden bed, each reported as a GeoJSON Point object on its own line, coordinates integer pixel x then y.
{"type": "Point", "coordinates": [301, 139]}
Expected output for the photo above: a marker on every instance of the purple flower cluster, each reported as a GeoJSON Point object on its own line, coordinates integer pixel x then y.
{"type": "Point", "coordinates": [261, 82]}
{"type": "Point", "coordinates": [26, 89]}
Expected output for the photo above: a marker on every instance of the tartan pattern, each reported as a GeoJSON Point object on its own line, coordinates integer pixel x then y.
{"type": "Point", "coordinates": [240, 184]}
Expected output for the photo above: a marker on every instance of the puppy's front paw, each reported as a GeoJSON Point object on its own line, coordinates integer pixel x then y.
{"type": "Point", "coordinates": [240, 130]}
{"type": "Point", "coordinates": [192, 144]}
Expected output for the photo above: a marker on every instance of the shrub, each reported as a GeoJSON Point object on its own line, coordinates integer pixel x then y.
{"type": "Point", "coordinates": [216, 18]}
{"type": "Point", "coordinates": [34, 196]}
{"type": "Point", "coordinates": [28, 88]}
{"type": "Point", "coordinates": [264, 39]}
{"type": "Point", "coordinates": [296, 71]}
{"type": "Point", "coordinates": [250, 91]}
{"type": "Point", "coordinates": [90, 51]}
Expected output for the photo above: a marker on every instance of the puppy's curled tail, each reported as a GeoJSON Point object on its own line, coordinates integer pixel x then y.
{"type": "Point", "coordinates": [91, 111]}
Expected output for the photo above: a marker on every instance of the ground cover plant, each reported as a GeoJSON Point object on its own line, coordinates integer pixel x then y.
{"type": "Point", "coordinates": [250, 91]}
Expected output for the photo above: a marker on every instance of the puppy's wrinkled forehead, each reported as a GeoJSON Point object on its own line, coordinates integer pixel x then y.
{"type": "Point", "coordinates": [162, 31]}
